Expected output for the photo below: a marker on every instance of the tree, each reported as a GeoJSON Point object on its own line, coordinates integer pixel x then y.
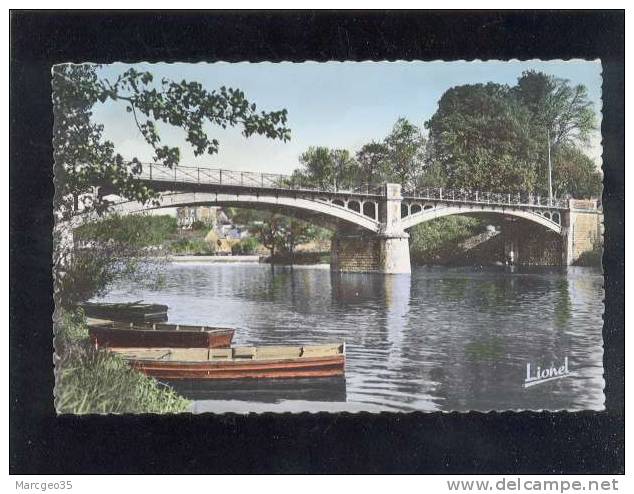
{"type": "Point", "coordinates": [405, 153]}
{"type": "Point", "coordinates": [576, 174]}
{"type": "Point", "coordinates": [494, 137]}
{"type": "Point", "coordinates": [562, 113]}
{"type": "Point", "coordinates": [277, 232]}
{"type": "Point", "coordinates": [556, 106]}
{"type": "Point", "coordinates": [328, 169]}
{"type": "Point", "coordinates": [84, 160]}
{"type": "Point", "coordinates": [293, 233]}
{"type": "Point", "coordinates": [373, 162]}
{"type": "Point", "coordinates": [481, 138]}
{"type": "Point", "coordinates": [110, 249]}
{"type": "Point", "coordinates": [269, 232]}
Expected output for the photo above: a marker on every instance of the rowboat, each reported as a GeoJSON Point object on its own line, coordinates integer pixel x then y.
{"type": "Point", "coordinates": [264, 362]}
{"type": "Point", "coordinates": [112, 334]}
{"type": "Point", "coordinates": [133, 311]}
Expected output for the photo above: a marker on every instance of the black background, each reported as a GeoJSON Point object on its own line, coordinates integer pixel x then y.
{"type": "Point", "coordinates": [41, 442]}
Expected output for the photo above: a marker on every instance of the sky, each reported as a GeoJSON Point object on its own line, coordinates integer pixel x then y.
{"type": "Point", "coordinates": [336, 104]}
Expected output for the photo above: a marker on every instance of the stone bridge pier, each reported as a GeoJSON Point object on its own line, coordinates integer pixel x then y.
{"type": "Point", "coordinates": [384, 252]}
{"type": "Point", "coordinates": [541, 235]}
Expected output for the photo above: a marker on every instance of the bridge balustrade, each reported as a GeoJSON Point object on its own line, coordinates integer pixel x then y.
{"type": "Point", "coordinates": [475, 196]}
{"type": "Point", "coordinates": [217, 176]}
{"type": "Point", "coordinates": [212, 176]}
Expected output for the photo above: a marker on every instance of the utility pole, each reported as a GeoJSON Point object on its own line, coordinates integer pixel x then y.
{"type": "Point", "coordinates": [550, 172]}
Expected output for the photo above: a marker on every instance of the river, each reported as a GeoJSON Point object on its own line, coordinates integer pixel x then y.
{"type": "Point", "coordinates": [442, 339]}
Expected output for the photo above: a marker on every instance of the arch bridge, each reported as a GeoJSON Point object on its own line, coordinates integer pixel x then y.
{"type": "Point", "coordinates": [371, 222]}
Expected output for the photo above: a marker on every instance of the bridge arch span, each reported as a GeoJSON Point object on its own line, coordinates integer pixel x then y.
{"type": "Point", "coordinates": [428, 214]}
{"type": "Point", "coordinates": [307, 208]}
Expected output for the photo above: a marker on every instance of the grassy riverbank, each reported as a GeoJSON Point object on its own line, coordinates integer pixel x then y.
{"type": "Point", "coordinates": [95, 381]}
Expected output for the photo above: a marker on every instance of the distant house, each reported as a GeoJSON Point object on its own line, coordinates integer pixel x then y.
{"type": "Point", "coordinates": [187, 215]}
{"type": "Point", "coordinates": [236, 233]}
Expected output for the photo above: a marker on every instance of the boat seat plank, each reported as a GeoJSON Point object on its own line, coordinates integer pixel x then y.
{"type": "Point", "coordinates": [320, 350]}
{"type": "Point", "coordinates": [244, 352]}
{"type": "Point", "coordinates": [278, 352]}
{"type": "Point", "coordinates": [165, 354]}
{"type": "Point", "coordinates": [220, 353]}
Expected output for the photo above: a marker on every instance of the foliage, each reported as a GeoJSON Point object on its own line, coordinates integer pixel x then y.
{"type": "Point", "coordinates": [246, 246]}
{"type": "Point", "coordinates": [592, 258]}
{"type": "Point", "coordinates": [373, 162]}
{"type": "Point", "coordinates": [84, 160]}
{"type": "Point", "coordinates": [293, 233]}
{"type": "Point", "coordinates": [87, 167]}
{"type": "Point", "coordinates": [92, 381]}
{"type": "Point", "coordinates": [439, 240]}
{"type": "Point", "coordinates": [576, 174]}
{"type": "Point", "coordinates": [192, 246]}
{"type": "Point", "coordinates": [328, 169]}
{"type": "Point", "coordinates": [245, 216]}
{"type": "Point", "coordinates": [199, 226]}
{"type": "Point", "coordinates": [133, 230]}
{"type": "Point", "coordinates": [109, 249]}
{"type": "Point", "coordinates": [554, 105]}
{"type": "Point", "coordinates": [269, 232]}
{"type": "Point", "coordinates": [480, 139]}
{"type": "Point", "coordinates": [399, 158]}
{"type": "Point", "coordinates": [405, 152]}
{"type": "Point", "coordinates": [276, 232]}
{"type": "Point", "coordinates": [92, 270]}
{"type": "Point", "coordinates": [72, 327]}
{"type": "Point", "coordinates": [495, 137]}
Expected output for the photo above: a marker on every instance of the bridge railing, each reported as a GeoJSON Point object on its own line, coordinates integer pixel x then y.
{"type": "Point", "coordinates": [479, 197]}
{"type": "Point", "coordinates": [217, 176]}
{"type": "Point", "coordinates": [197, 175]}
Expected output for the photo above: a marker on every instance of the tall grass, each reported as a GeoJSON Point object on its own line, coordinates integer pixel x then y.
{"type": "Point", "coordinates": [95, 381]}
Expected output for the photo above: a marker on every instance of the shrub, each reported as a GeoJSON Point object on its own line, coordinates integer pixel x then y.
{"type": "Point", "coordinates": [199, 226]}
{"type": "Point", "coordinates": [132, 230]}
{"type": "Point", "coordinates": [192, 246]}
{"type": "Point", "coordinates": [245, 246]}
{"type": "Point", "coordinates": [591, 258]}
{"type": "Point", "coordinates": [439, 240]}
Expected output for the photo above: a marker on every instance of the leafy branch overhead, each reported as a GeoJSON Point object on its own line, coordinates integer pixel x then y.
{"type": "Point", "coordinates": [189, 106]}
{"type": "Point", "coordinates": [84, 159]}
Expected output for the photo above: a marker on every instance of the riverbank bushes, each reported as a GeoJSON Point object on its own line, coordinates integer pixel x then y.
{"type": "Point", "coordinates": [95, 381]}
{"type": "Point", "coordinates": [592, 258]}
{"type": "Point", "coordinates": [132, 230]}
{"type": "Point", "coordinates": [439, 241]}
{"type": "Point", "coordinates": [192, 246]}
{"type": "Point", "coordinates": [246, 246]}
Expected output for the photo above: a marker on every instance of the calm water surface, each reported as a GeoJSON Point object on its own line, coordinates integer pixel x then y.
{"type": "Point", "coordinates": [441, 339]}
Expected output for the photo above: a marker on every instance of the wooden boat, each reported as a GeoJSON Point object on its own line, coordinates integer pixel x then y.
{"type": "Point", "coordinates": [265, 362]}
{"type": "Point", "coordinates": [112, 334]}
{"type": "Point", "coordinates": [133, 311]}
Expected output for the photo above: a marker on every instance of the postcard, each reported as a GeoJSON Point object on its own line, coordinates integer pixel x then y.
{"type": "Point", "coordinates": [339, 237]}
